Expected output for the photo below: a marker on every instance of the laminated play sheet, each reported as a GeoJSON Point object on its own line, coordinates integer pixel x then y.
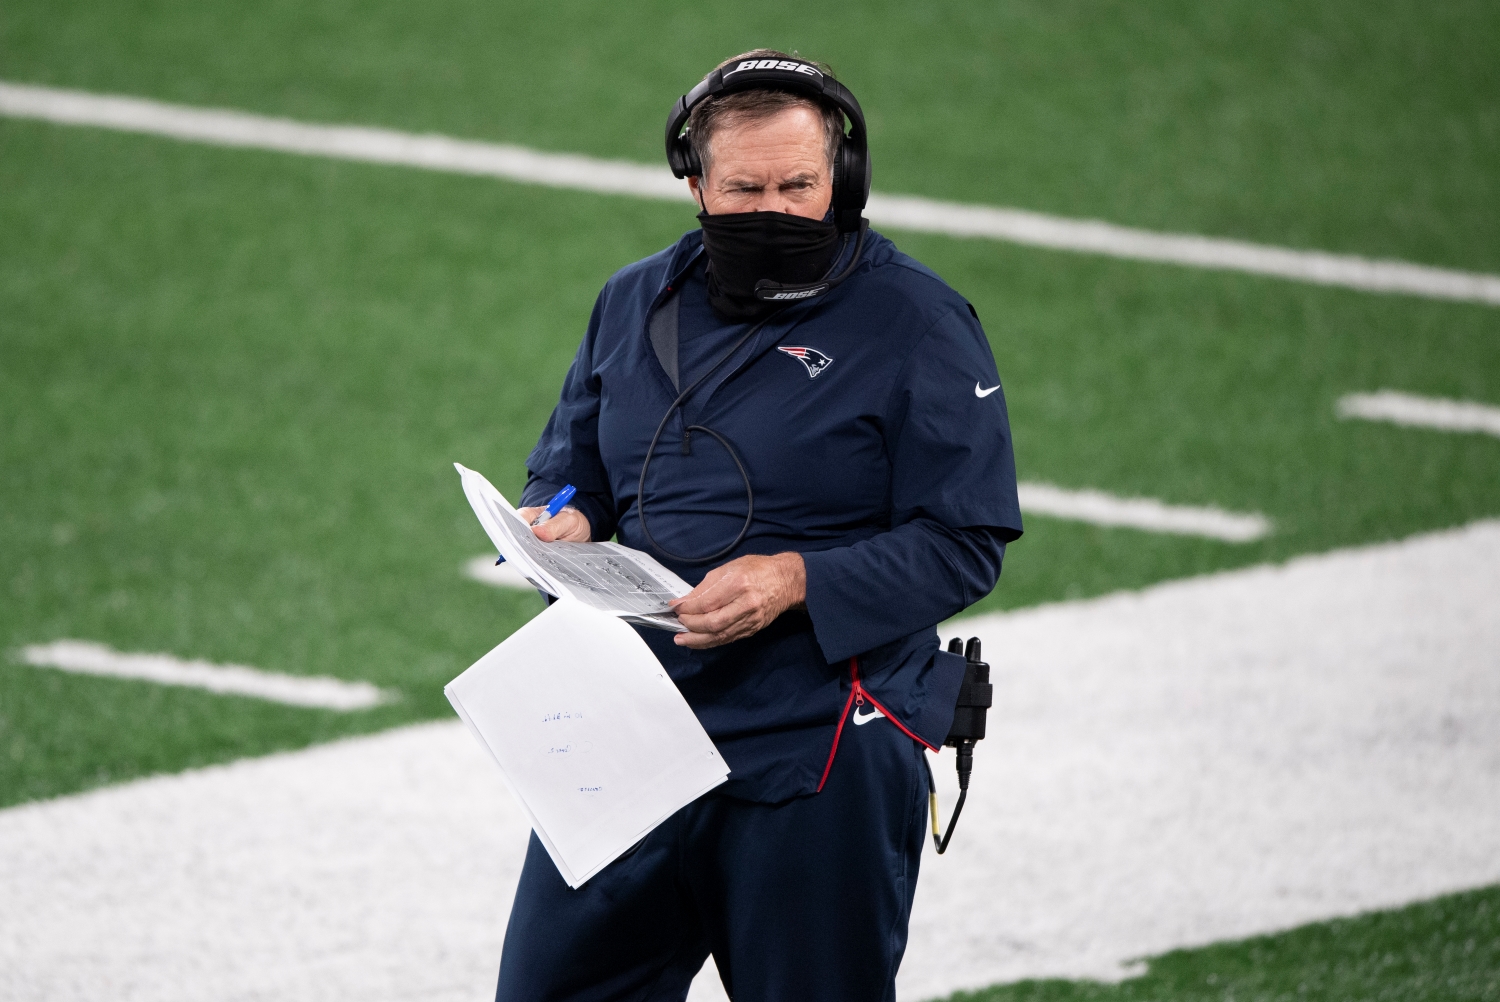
{"type": "Point", "coordinates": [607, 576]}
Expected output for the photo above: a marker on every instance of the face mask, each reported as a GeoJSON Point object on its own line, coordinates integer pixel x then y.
{"type": "Point", "coordinates": [745, 247]}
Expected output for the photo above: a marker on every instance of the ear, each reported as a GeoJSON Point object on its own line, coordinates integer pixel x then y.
{"type": "Point", "coordinates": [695, 185]}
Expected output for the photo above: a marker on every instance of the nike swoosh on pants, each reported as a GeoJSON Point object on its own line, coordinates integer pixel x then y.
{"type": "Point", "coordinates": [981, 394]}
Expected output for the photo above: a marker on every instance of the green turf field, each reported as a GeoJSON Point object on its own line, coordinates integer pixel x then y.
{"type": "Point", "coordinates": [1362, 127]}
{"type": "Point", "coordinates": [232, 383]}
{"type": "Point", "coordinates": [1446, 950]}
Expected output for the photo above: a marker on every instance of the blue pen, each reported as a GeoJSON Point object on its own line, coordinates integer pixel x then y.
{"type": "Point", "coordinates": [558, 502]}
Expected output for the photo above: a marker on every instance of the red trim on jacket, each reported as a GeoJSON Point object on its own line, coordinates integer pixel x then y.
{"type": "Point", "coordinates": [857, 696]}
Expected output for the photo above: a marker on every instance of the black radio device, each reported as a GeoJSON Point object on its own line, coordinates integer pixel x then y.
{"type": "Point", "coordinates": [975, 697]}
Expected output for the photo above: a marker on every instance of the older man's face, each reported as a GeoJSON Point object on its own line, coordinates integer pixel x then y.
{"type": "Point", "coordinates": [776, 164]}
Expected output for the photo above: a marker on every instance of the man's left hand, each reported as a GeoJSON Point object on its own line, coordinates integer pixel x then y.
{"type": "Point", "coordinates": [740, 598]}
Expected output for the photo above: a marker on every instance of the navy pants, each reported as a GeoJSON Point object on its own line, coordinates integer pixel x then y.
{"type": "Point", "coordinates": [807, 899]}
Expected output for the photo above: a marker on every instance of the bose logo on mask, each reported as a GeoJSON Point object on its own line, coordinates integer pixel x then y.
{"type": "Point", "coordinates": [775, 64]}
{"type": "Point", "coordinates": [800, 294]}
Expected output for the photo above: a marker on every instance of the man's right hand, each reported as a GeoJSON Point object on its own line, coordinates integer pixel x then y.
{"type": "Point", "coordinates": [569, 525]}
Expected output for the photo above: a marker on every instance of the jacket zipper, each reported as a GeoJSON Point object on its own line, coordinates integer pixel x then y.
{"type": "Point", "coordinates": [858, 694]}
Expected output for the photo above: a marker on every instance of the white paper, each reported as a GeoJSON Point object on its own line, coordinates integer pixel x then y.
{"type": "Point", "coordinates": [590, 733]}
{"type": "Point", "coordinates": [612, 578]}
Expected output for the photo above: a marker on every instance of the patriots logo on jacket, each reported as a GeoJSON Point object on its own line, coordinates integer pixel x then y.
{"type": "Point", "coordinates": [814, 359]}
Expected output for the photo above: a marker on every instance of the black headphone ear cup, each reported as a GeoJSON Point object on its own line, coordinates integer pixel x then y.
{"type": "Point", "coordinates": [683, 159]}
{"type": "Point", "coordinates": [857, 177]}
{"type": "Point", "coordinates": [851, 185]}
{"type": "Point", "coordinates": [840, 175]}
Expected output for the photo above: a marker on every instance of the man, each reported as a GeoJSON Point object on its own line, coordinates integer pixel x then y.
{"type": "Point", "coordinates": [854, 403]}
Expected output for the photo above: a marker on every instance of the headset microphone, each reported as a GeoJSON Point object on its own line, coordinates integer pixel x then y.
{"type": "Point", "coordinates": [768, 291]}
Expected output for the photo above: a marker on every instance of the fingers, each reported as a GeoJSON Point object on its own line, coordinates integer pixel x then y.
{"type": "Point", "coordinates": [723, 627]}
{"type": "Point", "coordinates": [710, 593]}
{"type": "Point", "coordinates": [724, 619]}
{"type": "Point", "coordinates": [569, 525]}
{"type": "Point", "coordinates": [739, 599]}
{"type": "Point", "coordinates": [551, 530]}
{"type": "Point", "coordinates": [730, 603]}
{"type": "Point", "coordinates": [704, 641]}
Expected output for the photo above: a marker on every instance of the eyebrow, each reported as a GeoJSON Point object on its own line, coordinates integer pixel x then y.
{"type": "Point", "coordinates": [801, 177]}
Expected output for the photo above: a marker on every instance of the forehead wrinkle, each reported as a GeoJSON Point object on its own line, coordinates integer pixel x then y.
{"type": "Point", "coordinates": [749, 175]}
{"type": "Point", "coordinates": [751, 143]}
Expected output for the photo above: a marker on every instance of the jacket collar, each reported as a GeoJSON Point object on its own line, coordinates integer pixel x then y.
{"type": "Point", "coordinates": [686, 251]}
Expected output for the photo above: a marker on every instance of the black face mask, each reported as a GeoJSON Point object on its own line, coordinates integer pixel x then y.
{"type": "Point", "coordinates": [746, 247]}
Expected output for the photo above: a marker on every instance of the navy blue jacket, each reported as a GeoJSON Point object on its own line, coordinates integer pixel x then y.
{"type": "Point", "coordinates": [872, 453]}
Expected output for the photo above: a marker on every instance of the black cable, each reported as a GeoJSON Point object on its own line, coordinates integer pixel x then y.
{"type": "Point", "coordinates": [640, 491]}
{"type": "Point", "coordinates": [942, 846]}
{"type": "Point", "coordinates": [965, 767]}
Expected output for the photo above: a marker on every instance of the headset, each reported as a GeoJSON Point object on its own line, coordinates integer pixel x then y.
{"type": "Point", "coordinates": [851, 165]}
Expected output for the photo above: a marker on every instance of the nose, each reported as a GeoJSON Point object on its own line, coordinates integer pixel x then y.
{"type": "Point", "coordinates": [774, 201]}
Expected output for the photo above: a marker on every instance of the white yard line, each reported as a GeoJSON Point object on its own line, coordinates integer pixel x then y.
{"type": "Point", "coordinates": [1148, 514]}
{"type": "Point", "coordinates": [85, 658]}
{"type": "Point", "coordinates": [1091, 236]}
{"type": "Point", "coordinates": [1205, 759]}
{"type": "Point", "coordinates": [1421, 412]}
{"type": "Point", "coordinates": [484, 570]}
{"type": "Point", "coordinates": [517, 163]}
{"type": "Point", "coordinates": [224, 127]}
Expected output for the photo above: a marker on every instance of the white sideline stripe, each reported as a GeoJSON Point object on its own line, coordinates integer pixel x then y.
{"type": "Point", "coordinates": [1421, 412]}
{"type": "Point", "coordinates": [1099, 508]}
{"type": "Point", "coordinates": [85, 658]}
{"type": "Point", "coordinates": [223, 127]}
{"type": "Point", "coordinates": [559, 170]}
{"type": "Point", "coordinates": [1091, 236]}
{"type": "Point", "coordinates": [484, 570]}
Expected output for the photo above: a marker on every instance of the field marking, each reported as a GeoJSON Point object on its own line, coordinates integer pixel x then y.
{"type": "Point", "coordinates": [1202, 760]}
{"type": "Point", "coordinates": [923, 215]}
{"type": "Point", "coordinates": [1092, 236]}
{"type": "Point", "coordinates": [484, 570]}
{"type": "Point", "coordinates": [85, 658]}
{"type": "Point", "coordinates": [223, 127]}
{"type": "Point", "coordinates": [1148, 514]}
{"type": "Point", "coordinates": [1421, 412]}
